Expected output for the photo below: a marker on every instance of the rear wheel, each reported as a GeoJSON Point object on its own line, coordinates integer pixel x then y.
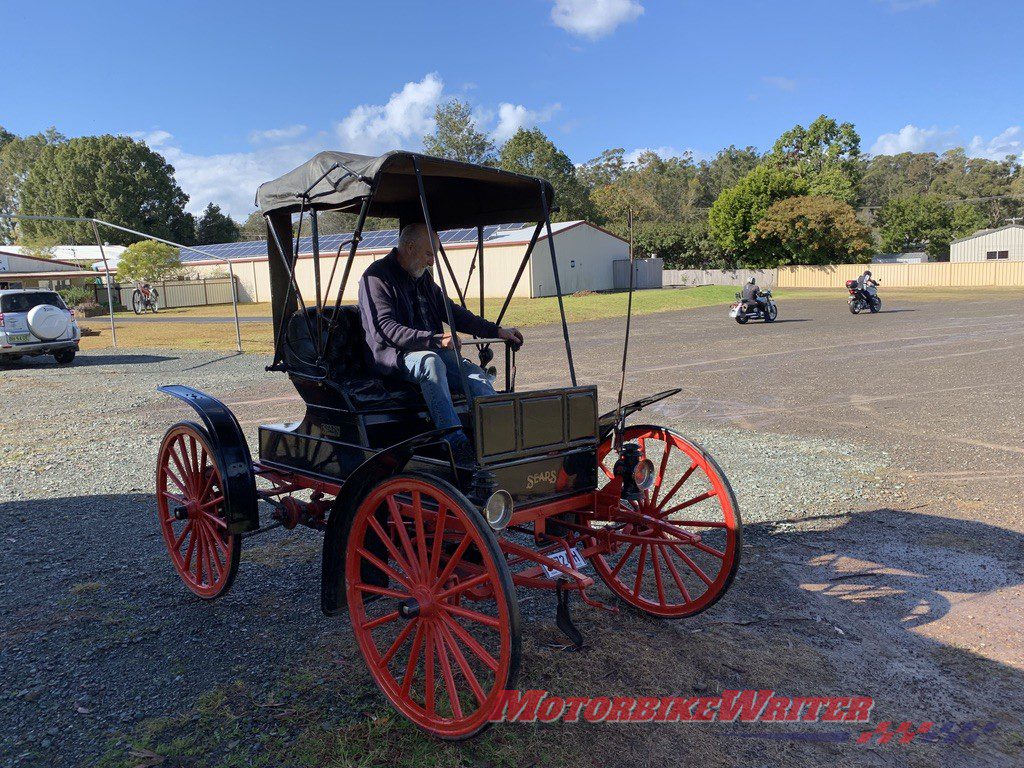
{"type": "Point", "coordinates": [192, 513]}
{"type": "Point", "coordinates": [432, 603]}
{"type": "Point", "coordinates": [855, 307]}
{"type": "Point", "coordinates": [64, 356]}
{"type": "Point", "coordinates": [675, 552]}
{"type": "Point", "coordinates": [741, 317]}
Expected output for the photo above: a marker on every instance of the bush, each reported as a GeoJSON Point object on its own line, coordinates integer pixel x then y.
{"type": "Point", "coordinates": [89, 309]}
{"type": "Point", "coordinates": [76, 295]}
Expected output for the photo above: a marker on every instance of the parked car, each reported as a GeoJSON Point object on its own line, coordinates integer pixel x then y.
{"type": "Point", "coordinates": [36, 322]}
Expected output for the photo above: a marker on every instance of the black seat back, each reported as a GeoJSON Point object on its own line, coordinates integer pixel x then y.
{"type": "Point", "coordinates": [346, 357]}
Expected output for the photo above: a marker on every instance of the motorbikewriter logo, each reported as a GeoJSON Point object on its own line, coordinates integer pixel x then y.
{"type": "Point", "coordinates": [746, 706]}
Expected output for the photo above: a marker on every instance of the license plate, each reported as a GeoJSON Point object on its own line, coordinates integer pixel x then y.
{"type": "Point", "coordinates": [561, 557]}
{"type": "Point", "coordinates": [19, 338]}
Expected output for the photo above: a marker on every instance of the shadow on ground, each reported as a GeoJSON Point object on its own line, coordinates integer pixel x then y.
{"type": "Point", "coordinates": [821, 606]}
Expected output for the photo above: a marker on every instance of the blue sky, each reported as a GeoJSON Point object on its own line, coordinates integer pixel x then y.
{"type": "Point", "coordinates": [234, 93]}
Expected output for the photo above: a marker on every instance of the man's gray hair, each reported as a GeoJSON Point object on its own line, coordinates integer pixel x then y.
{"type": "Point", "coordinates": [411, 234]}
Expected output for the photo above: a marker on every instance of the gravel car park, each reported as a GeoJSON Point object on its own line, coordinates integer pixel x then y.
{"type": "Point", "coordinates": [36, 322]}
{"type": "Point", "coordinates": [884, 553]}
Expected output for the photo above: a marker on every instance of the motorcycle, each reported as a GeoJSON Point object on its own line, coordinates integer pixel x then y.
{"type": "Point", "coordinates": [859, 301]}
{"type": "Point", "coordinates": [742, 310]}
{"type": "Point", "coordinates": [145, 298]}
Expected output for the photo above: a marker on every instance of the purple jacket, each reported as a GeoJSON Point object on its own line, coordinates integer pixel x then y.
{"type": "Point", "coordinates": [386, 304]}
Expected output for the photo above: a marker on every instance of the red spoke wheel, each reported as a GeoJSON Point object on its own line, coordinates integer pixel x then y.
{"type": "Point", "coordinates": [432, 603]}
{"type": "Point", "coordinates": [675, 552]}
{"type": "Point", "coordinates": [191, 511]}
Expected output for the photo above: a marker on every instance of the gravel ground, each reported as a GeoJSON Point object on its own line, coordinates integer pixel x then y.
{"type": "Point", "coordinates": [847, 585]}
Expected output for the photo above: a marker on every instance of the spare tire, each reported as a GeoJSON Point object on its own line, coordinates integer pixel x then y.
{"type": "Point", "coordinates": [48, 322]}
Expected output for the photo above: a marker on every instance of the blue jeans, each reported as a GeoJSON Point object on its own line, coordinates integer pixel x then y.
{"type": "Point", "coordinates": [437, 373]}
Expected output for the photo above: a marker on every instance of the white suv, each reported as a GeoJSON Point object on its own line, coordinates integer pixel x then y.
{"type": "Point", "coordinates": [37, 322]}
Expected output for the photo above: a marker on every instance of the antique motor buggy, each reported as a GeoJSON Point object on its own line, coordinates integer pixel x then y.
{"type": "Point", "coordinates": [428, 554]}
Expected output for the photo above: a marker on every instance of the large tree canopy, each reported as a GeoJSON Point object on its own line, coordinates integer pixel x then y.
{"type": "Point", "coordinates": [926, 221]}
{"type": "Point", "coordinates": [808, 229]}
{"type": "Point", "coordinates": [115, 178]}
{"type": "Point", "coordinates": [17, 155]}
{"type": "Point", "coordinates": [456, 137]}
{"type": "Point", "coordinates": [825, 154]}
{"type": "Point", "coordinates": [214, 227]}
{"type": "Point", "coordinates": [148, 261]}
{"type": "Point", "coordinates": [738, 209]}
{"type": "Point", "coordinates": [533, 153]}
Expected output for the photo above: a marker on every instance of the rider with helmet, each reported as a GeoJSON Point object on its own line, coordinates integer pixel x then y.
{"type": "Point", "coordinates": [752, 294]}
{"type": "Point", "coordinates": [864, 285]}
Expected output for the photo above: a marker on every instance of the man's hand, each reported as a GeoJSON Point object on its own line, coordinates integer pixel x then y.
{"type": "Point", "coordinates": [445, 341]}
{"type": "Point", "coordinates": [511, 335]}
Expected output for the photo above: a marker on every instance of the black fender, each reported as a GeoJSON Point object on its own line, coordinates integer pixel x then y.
{"type": "Point", "coordinates": [606, 422]}
{"type": "Point", "coordinates": [231, 453]}
{"type": "Point", "coordinates": [366, 476]}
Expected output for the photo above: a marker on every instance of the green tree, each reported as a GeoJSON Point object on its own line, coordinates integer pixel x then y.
{"type": "Point", "coordinates": [115, 178]}
{"type": "Point", "coordinates": [456, 137]}
{"type": "Point", "coordinates": [825, 154]}
{"type": "Point", "coordinates": [927, 221]}
{"type": "Point", "coordinates": [604, 169]}
{"type": "Point", "coordinates": [725, 170]}
{"type": "Point", "coordinates": [682, 244]}
{"type": "Point", "coordinates": [890, 176]}
{"type": "Point", "coordinates": [148, 261]}
{"type": "Point", "coordinates": [738, 209]}
{"type": "Point", "coordinates": [214, 227]}
{"type": "Point", "coordinates": [5, 136]}
{"type": "Point", "coordinates": [17, 156]}
{"type": "Point", "coordinates": [657, 189]}
{"type": "Point", "coordinates": [532, 153]}
{"type": "Point", "coordinates": [809, 229]}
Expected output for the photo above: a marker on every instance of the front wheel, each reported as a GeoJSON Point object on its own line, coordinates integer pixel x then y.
{"type": "Point", "coordinates": [432, 603]}
{"type": "Point", "coordinates": [674, 552]}
{"type": "Point", "coordinates": [191, 512]}
{"type": "Point", "coordinates": [876, 305]}
{"type": "Point", "coordinates": [137, 303]}
{"type": "Point", "coordinates": [771, 314]}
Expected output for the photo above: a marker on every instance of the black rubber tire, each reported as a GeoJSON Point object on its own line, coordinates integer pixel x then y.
{"type": "Point", "coordinates": [876, 305]}
{"type": "Point", "coordinates": [137, 302]}
{"type": "Point", "coordinates": [64, 356]}
{"type": "Point", "coordinates": [771, 314]}
{"type": "Point", "coordinates": [741, 318]}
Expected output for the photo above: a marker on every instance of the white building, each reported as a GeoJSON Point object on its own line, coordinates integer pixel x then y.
{"type": "Point", "coordinates": [999, 244]}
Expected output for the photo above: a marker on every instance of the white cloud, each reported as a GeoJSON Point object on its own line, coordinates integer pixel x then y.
{"type": "Point", "coordinates": [911, 138]}
{"type": "Point", "coordinates": [594, 19]}
{"type": "Point", "coordinates": [230, 179]}
{"type": "Point", "coordinates": [1009, 142]}
{"type": "Point", "coordinates": [512, 117]}
{"type": "Point", "coordinates": [400, 123]}
{"type": "Point", "coordinates": [277, 134]}
{"type": "Point", "coordinates": [778, 81]}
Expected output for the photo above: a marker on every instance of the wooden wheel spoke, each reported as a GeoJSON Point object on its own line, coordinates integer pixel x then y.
{"type": "Point", "coordinates": [403, 535]}
{"type": "Point", "coordinates": [391, 572]}
{"type": "Point", "coordinates": [218, 521]}
{"type": "Point", "coordinates": [677, 486]}
{"type": "Point", "coordinates": [689, 503]}
{"type": "Point", "coordinates": [429, 682]}
{"type": "Point", "coordinates": [421, 539]}
{"type": "Point", "coordinates": [212, 502]}
{"type": "Point", "coordinates": [463, 586]}
{"type": "Point", "coordinates": [676, 577]}
{"type": "Point", "coordinates": [661, 472]}
{"type": "Point", "coordinates": [174, 497]}
{"type": "Point", "coordinates": [446, 637]}
{"type": "Point", "coordinates": [181, 537]}
{"type": "Point", "coordinates": [192, 540]}
{"type": "Point", "coordinates": [710, 550]}
{"type": "Point", "coordinates": [435, 555]}
{"type": "Point", "coordinates": [414, 656]}
{"type": "Point", "coordinates": [625, 557]}
{"type": "Point", "coordinates": [470, 642]}
{"type": "Point", "coordinates": [180, 462]}
{"type": "Point", "coordinates": [389, 544]}
{"type": "Point", "coordinates": [180, 483]}
{"type": "Point", "coordinates": [454, 560]}
{"type": "Point", "coordinates": [640, 571]}
{"type": "Point", "coordinates": [657, 576]}
{"type": "Point", "coordinates": [373, 589]}
{"type": "Point", "coordinates": [449, 678]}
{"type": "Point", "coordinates": [690, 564]}
{"type": "Point", "coordinates": [386, 618]}
{"type": "Point", "coordinates": [472, 615]}
{"type": "Point", "coordinates": [399, 641]}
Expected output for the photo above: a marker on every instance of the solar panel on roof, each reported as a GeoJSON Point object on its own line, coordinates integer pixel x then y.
{"type": "Point", "coordinates": [373, 240]}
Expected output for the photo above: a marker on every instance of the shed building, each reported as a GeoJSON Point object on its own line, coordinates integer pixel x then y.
{"type": "Point", "coordinates": [999, 244]}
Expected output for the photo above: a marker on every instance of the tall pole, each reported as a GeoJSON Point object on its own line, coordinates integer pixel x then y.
{"type": "Point", "coordinates": [110, 294]}
{"type": "Point", "coordinates": [558, 283]}
{"type": "Point", "coordinates": [620, 421]}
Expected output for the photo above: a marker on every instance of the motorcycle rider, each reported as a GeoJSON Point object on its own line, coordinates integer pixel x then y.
{"type": "Point", "coordinates": [864, 285]}
{"type": "Point", "coordinates": [752, 294]}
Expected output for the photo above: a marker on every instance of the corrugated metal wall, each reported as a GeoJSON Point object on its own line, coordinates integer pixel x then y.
{"type": "Point", "coordinates": [186, 293]}
{"type": "Point", "coordinates": [934, 275]}
{"type": "Point", "coordinates": [648, 273]}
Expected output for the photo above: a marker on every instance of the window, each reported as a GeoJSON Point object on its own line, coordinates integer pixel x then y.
{"type": "Point", "coordinates": [23, 302]}
{"type": "Point", "coordinates": [997, 255]}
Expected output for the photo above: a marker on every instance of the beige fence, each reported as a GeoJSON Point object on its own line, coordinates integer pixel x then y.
{"type": "Point", "coordinates": [186, 293]}
{"type": "Point", "coordinates": [934, 275]}
{"type": "Point", "coordinates": [690, 277]}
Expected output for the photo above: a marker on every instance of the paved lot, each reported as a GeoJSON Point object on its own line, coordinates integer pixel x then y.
{"type": "Point", "coordinates": [876, 458]}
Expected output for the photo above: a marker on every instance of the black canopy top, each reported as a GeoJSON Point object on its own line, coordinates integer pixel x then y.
{"type": "Point", "coordinates": [458, 194]}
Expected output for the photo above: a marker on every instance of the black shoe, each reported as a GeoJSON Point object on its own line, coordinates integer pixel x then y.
{"type": "Point", "coordinates": [462, 449]}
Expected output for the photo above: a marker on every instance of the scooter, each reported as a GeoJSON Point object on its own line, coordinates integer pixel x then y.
{"type": "Point", "coordinates": [743, 310]}
{"type": "Point", "coordinates": [859, 302]}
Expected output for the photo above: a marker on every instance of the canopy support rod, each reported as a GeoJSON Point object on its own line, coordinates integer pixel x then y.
{"type": "Point", "coordinates": [480, 252]}
{"type": "Point", "coordinates": [455, 280]}
{"type": "Point", "coordinates": [357, 235]}
{"type": "Point", "coordinates": [292, 285]}
{"type": "Point", "coordinates": [110, 295]}
{"type": "Point", "coordinates": [434, 243]}
{"type": "Point", "coordinates": [558, 283]}
{"type": "Point", "coordinates": [522, 267]}
{"type": "Point", "coordinates": [620, 419]}
{"type": "Point", "coordinates": [315, 232]}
